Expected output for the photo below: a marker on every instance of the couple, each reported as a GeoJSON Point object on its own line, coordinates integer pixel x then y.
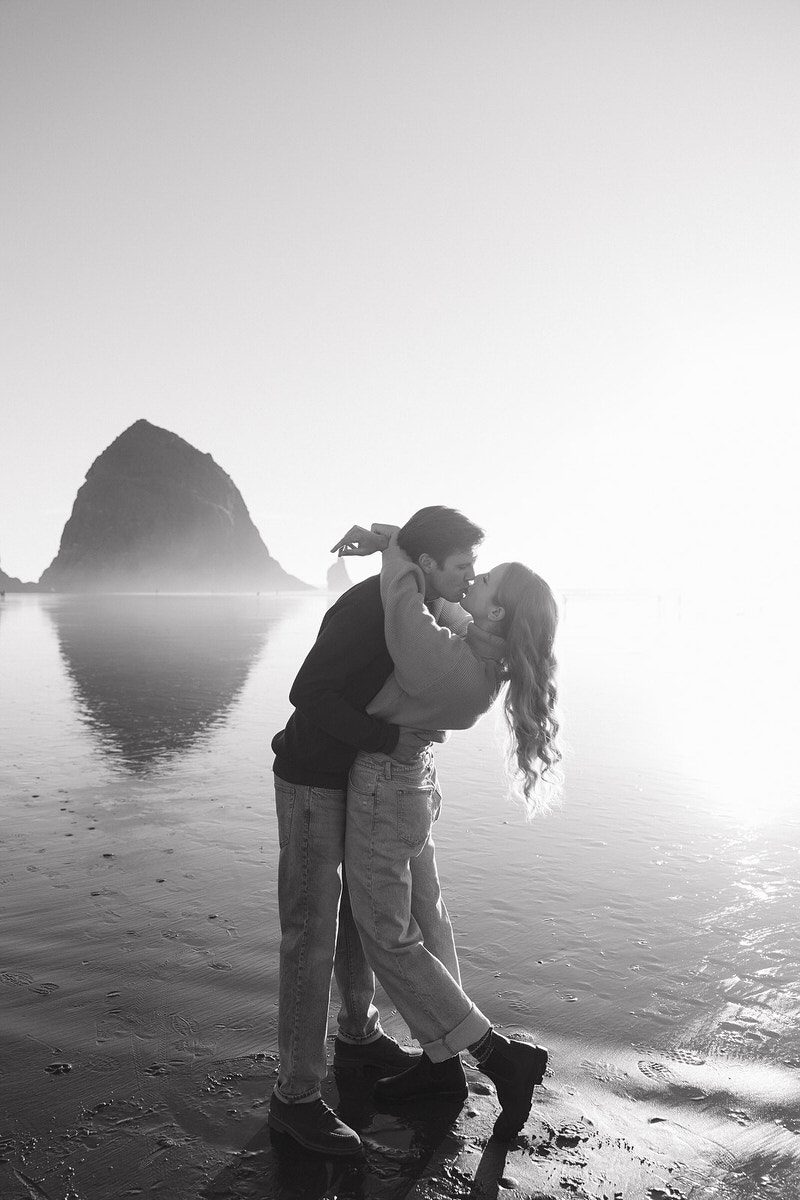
{"type": "Point", "coordinates": [399, 659]}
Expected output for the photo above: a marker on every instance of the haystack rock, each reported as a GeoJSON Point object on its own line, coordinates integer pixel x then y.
{"type": "Point", "coordinates": [338, 579]}
{"type": "Point", "coordinates": [157, 515]}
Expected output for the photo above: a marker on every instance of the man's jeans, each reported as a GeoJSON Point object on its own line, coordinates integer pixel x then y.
{"type": "Point", "coordinates": [311, 824]}
{"type": "Point", "coordinates": [397, 902]}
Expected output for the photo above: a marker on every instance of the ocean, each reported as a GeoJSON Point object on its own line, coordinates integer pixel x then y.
{"type": "Point", "coordinates": [649, 919]}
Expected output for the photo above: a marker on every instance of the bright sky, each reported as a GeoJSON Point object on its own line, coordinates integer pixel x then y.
{"type": "Point", "coordinates": [537, 260]}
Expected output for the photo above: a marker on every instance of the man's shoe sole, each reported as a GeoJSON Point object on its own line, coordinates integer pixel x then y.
{"type": "Point", "coordinates": [348, 1150]}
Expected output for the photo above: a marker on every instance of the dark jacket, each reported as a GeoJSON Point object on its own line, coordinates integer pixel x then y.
{"type": "Point", "coordinates": [347, 665]}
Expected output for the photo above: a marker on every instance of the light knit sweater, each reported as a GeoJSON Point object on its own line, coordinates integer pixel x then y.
{"type": "Point", "coordinates": [441, 680]}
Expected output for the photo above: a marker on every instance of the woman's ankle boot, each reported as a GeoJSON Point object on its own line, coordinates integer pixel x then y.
{"type": "Point", "coordinates": [514, 1068]}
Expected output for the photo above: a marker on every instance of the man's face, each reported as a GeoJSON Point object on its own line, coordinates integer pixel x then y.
{"type": "Point", "coordinates": [451, 580]}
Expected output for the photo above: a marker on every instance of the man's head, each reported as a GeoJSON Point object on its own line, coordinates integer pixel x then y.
{"type": "Point", "coordinates": [442, 542]}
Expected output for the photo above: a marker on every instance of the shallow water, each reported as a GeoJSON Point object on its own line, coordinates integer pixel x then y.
{"type": "Point", "coordinates": [654, 912]}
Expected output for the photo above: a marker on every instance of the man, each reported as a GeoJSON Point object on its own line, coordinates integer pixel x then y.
{"type": "Point", "coordinates": [346, 667]}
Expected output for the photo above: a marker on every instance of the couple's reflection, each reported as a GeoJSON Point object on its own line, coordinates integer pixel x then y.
{"type": "Point", "coordinates": [151, 674]}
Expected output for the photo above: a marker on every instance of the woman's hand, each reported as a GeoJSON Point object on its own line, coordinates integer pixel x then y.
{"type": "Point", "coordinates": [359, 542]}
{"type": "Point", "coordinates": [390, 532]}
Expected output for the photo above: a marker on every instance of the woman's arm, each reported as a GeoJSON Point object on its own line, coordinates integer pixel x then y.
{"type": "Point", "coordinates": [423, 652]}
{"type": "Point", "coordinates": [359, 542]}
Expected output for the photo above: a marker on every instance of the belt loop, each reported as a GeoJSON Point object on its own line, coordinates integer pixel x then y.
{"type": "Point", "coordinates": [387, 768]}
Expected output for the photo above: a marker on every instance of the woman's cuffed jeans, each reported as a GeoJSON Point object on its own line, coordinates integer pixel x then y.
{"type": "Point", "coordinates": [318, 938]}
{"type": "Point", "coordinates": [397, 901]}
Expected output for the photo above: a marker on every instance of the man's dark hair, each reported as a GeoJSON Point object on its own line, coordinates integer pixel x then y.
{"type": "Point", "coordinates": [438, 531]}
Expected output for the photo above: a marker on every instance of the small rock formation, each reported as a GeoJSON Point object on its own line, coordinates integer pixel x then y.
{"type": "Point", "coordinates": [8, 583]}
{"type": "Point", "coordinates": [338, 579]}
{"type": "Point", "coordinates": [155, 514]}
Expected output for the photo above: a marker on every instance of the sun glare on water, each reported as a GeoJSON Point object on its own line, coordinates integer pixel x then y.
{"type": "Point", "coordinates": [738, 726]}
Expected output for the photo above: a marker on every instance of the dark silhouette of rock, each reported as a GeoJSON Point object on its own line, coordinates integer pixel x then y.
{"type": "Point", "coordinates": [338, 579]}
{"type": "Point", "coordinates": [155, 514]}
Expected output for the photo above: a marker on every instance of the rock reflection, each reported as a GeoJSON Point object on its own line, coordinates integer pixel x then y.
{"type": "Point", "coordinates": [153, 673]}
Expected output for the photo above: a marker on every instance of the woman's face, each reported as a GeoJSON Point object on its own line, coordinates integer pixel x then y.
{"type": "Point", "coordinates": [481, 599]}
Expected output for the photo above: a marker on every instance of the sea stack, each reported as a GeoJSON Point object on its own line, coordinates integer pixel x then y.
{"type": "Point", "coordinates": [155, 514]}
{"type": "Point", "coordinates": [338, 580]}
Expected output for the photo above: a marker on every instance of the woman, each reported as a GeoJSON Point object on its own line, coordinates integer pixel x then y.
{"type": "Point", "coordinates": [442, 681]}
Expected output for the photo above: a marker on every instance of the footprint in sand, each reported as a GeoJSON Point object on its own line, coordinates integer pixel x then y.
{"type": "Point", "coordinates": [44, 989]}
{"type": "Point", "coordinates": [573, 1135]}
{"type": "Point", "coordinates": [683, 1054]}
{"type": "Point", "coordinates": [157, 1068]}
{"type": "Point", "coordinates": [658, 1072]}
{"type": "Point", "coordinates": [572, 1183]}
{"type": "Point", "coordinates": [182, 1025]}
{"type": "Point", "coordinates": [605, 1072]}
{"type": "Point", "coordinates": [16, 978]}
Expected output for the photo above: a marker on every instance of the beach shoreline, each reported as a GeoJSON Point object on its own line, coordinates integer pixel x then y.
{"type": "Point", "coordinates": [642, 934]}
{"type": "Point", "coordinates": [138, 1059]}
{"type": "Point", "coordinates": [190, 1129]}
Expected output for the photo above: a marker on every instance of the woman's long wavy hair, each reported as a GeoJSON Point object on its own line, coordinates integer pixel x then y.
{"type": "Point", "coordinates": [531, 618]}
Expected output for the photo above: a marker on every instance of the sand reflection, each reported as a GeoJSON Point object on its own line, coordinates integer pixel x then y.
{"type": "Point", "coordinates": [152, 674]}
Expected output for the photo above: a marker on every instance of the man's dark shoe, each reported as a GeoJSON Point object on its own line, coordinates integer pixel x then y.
{"type": "Point", "coordinates": [314, 1126]}
{"type": "Point", "coordinates": [514, 1068]}
{"type": "Point", "coordinates": [384, 1053]}
{"type": "Point", "coordinates": [425, 1078]}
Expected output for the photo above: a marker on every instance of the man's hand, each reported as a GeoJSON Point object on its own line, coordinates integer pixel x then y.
{"type": "Point", "coordinates": [411, 743]}
{"type": "Point", "coordinates": [359, 542]}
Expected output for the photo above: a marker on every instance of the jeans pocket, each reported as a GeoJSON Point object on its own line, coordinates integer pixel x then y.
{"type": "Point", "coordinates": [362, 779]}
{"type": "Point", "coordinates": [284, 806]}
{"type": "Point", "coordinates": [415, 815]}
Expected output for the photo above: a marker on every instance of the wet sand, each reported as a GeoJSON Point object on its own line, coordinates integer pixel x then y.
{"type": "Point", "coordinates": [658, 1128]}
{"type": "Point", "coordinates": [139, 1052]}
{"type": "Point", "coordinates": [643, 934]}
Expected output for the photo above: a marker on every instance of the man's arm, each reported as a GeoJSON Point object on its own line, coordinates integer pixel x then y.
{"type": "Point", "coordinates": [341, 648]}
